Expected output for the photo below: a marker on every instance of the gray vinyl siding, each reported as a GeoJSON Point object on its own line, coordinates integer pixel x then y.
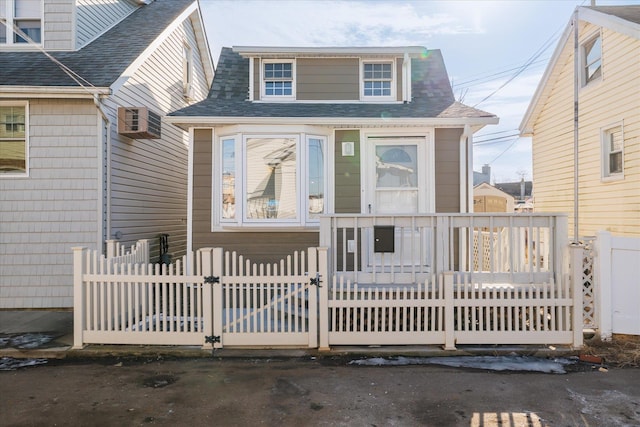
{"type": "Point", "coordinates": [447, 160]}
{"type": "Point", "coordinates": [327, 79]}
{"type": "Point", "coordinates": [259, 247]}
{"type": "Point", "coordinates": [53, 209]}
{"type": "Point", "coordinates": [96, 16]}
{"type": "Point", "coordinates": [57, 31]}
{"type": "Point", "coordinates": [149, 177]}
{"type": "Point", "coordinates": [347, 174]}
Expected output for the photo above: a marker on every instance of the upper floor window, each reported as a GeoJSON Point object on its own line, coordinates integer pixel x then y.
{"type": "Point", "coordinates": [591, 60]}
{"type": "Point", "coordinates": [613, 152]}
{"type": "Point", "coordinates": [378, 80]}
{"type": "Point", "coordinates": [20, 21]}
{"type": "Point", "coordinates": [278, 79]}
{"type": "Point", "coordinates": [13, 139]}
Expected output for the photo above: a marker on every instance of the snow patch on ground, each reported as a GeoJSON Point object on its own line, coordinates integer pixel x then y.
{"type": "Point", "coordinates": [11, 364]}
{"type": "Point", "coordinates": [494, 363]}
{"type": "Point", "coordinates": [611, 407]}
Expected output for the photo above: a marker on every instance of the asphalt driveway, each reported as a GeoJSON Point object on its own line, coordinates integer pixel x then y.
{"type": "Point", "coordinates": [309, 391]}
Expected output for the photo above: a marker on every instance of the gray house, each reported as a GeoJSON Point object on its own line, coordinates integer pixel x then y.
{"type": "Point", "coordinates": [289, 134]}
{"type": "Point", "coordinates": [85, 153]}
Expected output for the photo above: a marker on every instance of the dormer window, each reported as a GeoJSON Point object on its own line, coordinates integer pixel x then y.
{"type": "Point", "coordinates": [378, 81]}
{"type": "Point", "coordinates": [25, 16]}
{"type": "Point", "coordinates": [278, 80]}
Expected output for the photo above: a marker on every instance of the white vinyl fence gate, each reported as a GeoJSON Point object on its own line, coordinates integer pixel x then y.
{"type": "Point", "coordinates": [221, 299]}
{"type": "Point", "coordinates": [225, 300]}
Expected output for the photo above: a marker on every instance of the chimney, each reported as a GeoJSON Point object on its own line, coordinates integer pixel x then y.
{"type": "Point", "coordinates": [486, 170]}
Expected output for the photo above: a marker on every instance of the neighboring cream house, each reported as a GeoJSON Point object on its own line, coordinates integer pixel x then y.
{"type": "Point", "coordinates": [290, 133]}
{"type": "Point", "coordinates": [608, 101]}
{"type": "Point", "coordinates": [85, 154]}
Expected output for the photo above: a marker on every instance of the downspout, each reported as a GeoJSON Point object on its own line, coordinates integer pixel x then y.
{"type": "Point", "coordinates": [190, 200]}
{"type": "Point", "coordinates": [466, 193]}
{"type": "Point", "coordinates": [406, 78]}
{"type": "Point", "coordinates": [107, 171]}
{"type": "Point", "coordinates": [576, 88]}
{"type": "Point", "coordinates": [466, 165]}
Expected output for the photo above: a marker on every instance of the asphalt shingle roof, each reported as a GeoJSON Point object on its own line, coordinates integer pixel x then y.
{"type": "Point", "coordinates": [431, 91]}
{"type": "Point", "coordinates": [628, 13]}
{"type": "Point", "coordinates": [100, 62]}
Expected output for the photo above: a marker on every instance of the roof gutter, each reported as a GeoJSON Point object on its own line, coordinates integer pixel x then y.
{"type": "Point", "coordinates": [326, 51]}
{"type": "Point", "coordinates": [53, 91]}
{"type": "Point", "coordinates": [191, 121]}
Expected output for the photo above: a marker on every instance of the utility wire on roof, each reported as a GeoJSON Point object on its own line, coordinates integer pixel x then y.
{"type": "Point", "coordinates": [81, 81]}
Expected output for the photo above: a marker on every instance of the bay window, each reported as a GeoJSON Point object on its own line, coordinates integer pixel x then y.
{"type": "Point", "coordinates": [270, 180]}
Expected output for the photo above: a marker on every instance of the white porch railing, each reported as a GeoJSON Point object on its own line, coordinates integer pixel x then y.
{"type": "Point", "coordinates": [493, 248]}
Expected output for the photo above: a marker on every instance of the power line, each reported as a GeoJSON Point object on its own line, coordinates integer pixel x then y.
{"type": "Point", "coordinates": [504, 151]}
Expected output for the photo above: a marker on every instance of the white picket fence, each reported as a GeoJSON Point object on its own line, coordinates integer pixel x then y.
{"type": "Point", "coordinates": [138, 253]}
{"type": "Point", "coordinates": [199, 304]}
{"type": "Point", "coordinates": [221, 299]}
{"type": "Point", "coordinates": [126, 303]}
{"type": "Point", "coordinates": [450, 310]}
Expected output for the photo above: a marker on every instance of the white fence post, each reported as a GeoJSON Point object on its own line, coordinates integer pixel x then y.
{"type": "Point", "coordinates": [602, 266]}
{"type": "Point", "coordinates": [449, 310]}
{"type": "Point", "coordinates": [217, 301]}
{"type": "Point", "coordinates": [577, 253]}
{"type": "Point", "coordinates": [560, 245]}
{"type": "Point", "coordinates": [204, 256]}
{"type": "Point", "coordinates": [323, 300]}
{"type": "Point", "coordinates": [312, 257]}
{"type": "Point", "coordinates": [112, 247]}
{"type": "Point", "coordinates": [442, 244]}
{"type": "Point", "coordinates": [78, 296]}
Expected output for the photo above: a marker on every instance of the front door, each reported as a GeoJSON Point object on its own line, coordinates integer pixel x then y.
{"type": "Point", "coordinates": [396, 176]}
{"type": "Point", "coordinates": [397, 181]}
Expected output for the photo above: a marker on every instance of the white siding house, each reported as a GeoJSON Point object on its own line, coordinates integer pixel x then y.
{"type": "Point", "coordinates": [608, 144]}
{"type": "Point", "coordinates": [67, 176]}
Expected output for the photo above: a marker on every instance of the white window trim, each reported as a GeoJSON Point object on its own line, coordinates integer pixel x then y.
{"type": "Point", "coordinates": [24, 104]}
{"type": "Point", "coordinates": [583, 60]}
{"type": "Point", "coordinates": [427, 202]}
{"type": "Point", "coordinates": [607, 176]}
{"type": "Point", "coordinates": [240, 223]}
{"type": "Point", "coordinates": [10, 19]}
{"type": "Point", "coordinates": [306, 178]}
{"type": "Point", "coordinates": [285, 98]}
{"type": "Point", "coordinates": [394, 80]}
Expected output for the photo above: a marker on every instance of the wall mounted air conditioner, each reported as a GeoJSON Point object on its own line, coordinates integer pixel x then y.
{"type": "Point", "coordinates": [139, 123]}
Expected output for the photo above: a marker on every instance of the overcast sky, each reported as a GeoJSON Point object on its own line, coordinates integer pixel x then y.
{"type": "Point", "coordinates": [484, 44]}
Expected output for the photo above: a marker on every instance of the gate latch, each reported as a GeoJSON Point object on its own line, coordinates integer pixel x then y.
{"type": "Point", "coordinates": [211, 339]}
{"type": "Point", "coordinates": [316, 280]}
{"type": "Point", "coordinates": [212, 279]}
